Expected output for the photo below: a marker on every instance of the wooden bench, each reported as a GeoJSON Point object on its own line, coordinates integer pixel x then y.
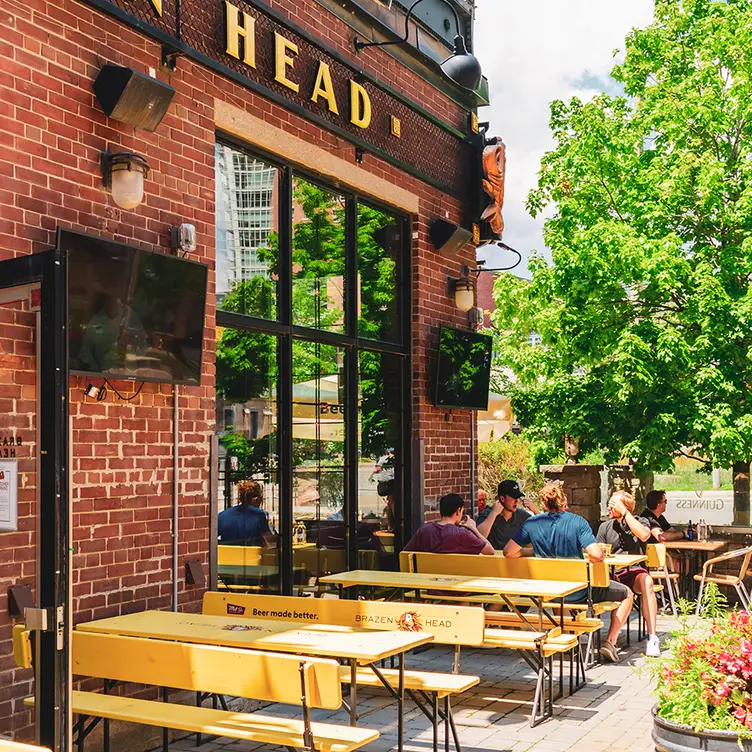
{"type": "Point", "coordinates": [449, 625]}
{"type": "Point", "coordinates": [8, 746]}
{"type": "Point", "coordinates": [209, 670]}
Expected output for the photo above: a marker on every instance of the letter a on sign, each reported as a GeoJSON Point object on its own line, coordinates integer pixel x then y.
{"type": "Point", "coordinates": [157, 6]}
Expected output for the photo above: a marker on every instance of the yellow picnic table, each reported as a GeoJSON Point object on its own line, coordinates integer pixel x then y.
{"type": "Point", "coordinates": [622, 561]}
{"type": "Point", "coordinates": [357, 646]}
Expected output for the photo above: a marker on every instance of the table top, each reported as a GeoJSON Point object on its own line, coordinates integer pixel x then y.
{"type": "Point", "coordinates": [693, 545]}
{"type": "Point", "coordinates": [625, 560]}
{"type": "Point", "coordinates": [546, 589]}
{"type": "Point", "coordinates": [322, 640]}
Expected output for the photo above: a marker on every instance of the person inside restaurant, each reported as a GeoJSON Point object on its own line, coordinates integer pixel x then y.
{"type": "Point", "coordinates": [500, 522]}
{"type": "Point", "coordinates": [627, 534]}
{"type": "Point", "coordinates": [245, 524]}
{"type": "Point", "coordinates": [654, 512]}
{"type": "Point", "coordinates": [558, 533]}
{"type": "Point", "coordinates": [454, 533]}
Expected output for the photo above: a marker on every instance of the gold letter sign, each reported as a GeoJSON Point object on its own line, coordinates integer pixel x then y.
{"type": "Point", "coordinates": [323, 88]}
{"type": "Point", "coordinates": [235, 31]}
{"type": "Point", "coordinates": [283, 60]}
{"type": "Point", "coordinates": [157, 6]}
{"type": "Point", "coordinates": [360, 106]}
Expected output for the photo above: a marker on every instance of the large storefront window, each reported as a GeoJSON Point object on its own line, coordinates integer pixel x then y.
{"type": "Point", "coordinates": [312, 363]}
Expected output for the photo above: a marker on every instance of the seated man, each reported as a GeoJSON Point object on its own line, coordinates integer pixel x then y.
{"type": "Point", "coordinates": [246, 523]}
{"type": "Point", "coordinates": [454, 533]}
{"type": "Point", "coordinates": [628, 534]}
{"type": "Point", "coordinates": [500, 523]}
{"type": "Point", "coordinates": [558, 533]}
{"type": "Point", "coordinates": [655, 508]}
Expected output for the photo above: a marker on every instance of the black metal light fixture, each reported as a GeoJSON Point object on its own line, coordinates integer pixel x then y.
{"type": "Point", "coordinates": [124, 173]}
{"type": "Point", "coordinates": [461, 67]}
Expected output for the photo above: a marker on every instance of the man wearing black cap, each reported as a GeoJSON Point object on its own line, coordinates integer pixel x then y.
{"type": "Point", "coordinates": [505, 518]}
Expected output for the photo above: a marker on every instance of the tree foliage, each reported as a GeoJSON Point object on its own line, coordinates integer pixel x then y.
{"type": "Point", "coordinates": [645, 313]}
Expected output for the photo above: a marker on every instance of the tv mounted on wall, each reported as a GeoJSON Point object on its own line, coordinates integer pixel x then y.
{"type": "Point", "coordinates": [133, 314]}
{"type": "Point", "coordinates": [463, 370]}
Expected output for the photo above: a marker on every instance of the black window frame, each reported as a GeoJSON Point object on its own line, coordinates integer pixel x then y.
{"type": "Point", "coordinates": [286, 332]}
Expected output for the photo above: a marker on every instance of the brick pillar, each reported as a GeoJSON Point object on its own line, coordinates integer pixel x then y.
{"type": "Point", "coordinates": [582, 485]}
{"type": "Point", "coordinates": [623, 478]}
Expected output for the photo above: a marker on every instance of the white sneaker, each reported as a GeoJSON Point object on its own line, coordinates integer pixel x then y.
{"type": "Point", "coordinates": [653, 649]}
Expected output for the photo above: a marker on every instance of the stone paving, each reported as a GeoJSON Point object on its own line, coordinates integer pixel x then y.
{"type": "Point", "coordinates": [611, 713]}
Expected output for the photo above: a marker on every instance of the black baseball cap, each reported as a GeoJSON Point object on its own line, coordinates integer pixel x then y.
{"type": "Point", "coordinates": [509, 488]}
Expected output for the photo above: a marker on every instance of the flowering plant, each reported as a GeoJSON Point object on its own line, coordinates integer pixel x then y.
{"type": "Point", "coordinates": [705, 679]}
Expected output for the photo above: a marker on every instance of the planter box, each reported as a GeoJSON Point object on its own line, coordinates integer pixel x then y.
{"type": "Point", "coordinates": [673, 737]}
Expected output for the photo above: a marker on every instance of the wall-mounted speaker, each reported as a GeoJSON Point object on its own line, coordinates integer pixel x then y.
{"type": "Point", "coordinates": [132, 97]}
{"type": "Point", "coordinates": [448, 238]}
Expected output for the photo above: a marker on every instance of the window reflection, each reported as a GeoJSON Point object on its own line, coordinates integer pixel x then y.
{"type": "Point", "coordinates": [246, 233]}
{"type": "Point", "coordinates": [248, 521]}
{"type": "Point", "coordinates": [318, 258]}
{"type": "Point", "coordinates": [379, 250]}
{"type": "Point", "coordinates": [318, 437]}
{"type": "Point", "coordinates": [380, 462]}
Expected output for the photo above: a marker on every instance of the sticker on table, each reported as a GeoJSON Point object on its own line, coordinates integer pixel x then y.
{"type": "Point", "coordinates": [242, 628]}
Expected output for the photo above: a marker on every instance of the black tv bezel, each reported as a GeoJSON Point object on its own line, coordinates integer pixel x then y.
{"type": "Point", "coordinates": [438, 366]}
{"type": "Point", "coordinates": [120, 376]}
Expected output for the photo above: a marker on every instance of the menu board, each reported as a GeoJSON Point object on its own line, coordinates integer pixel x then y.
{"type": "Point", "coordinates": [8, 494]}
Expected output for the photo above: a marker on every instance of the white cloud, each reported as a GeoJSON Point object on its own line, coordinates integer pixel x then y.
{"type": "Point", "coordinates": [532, 53]}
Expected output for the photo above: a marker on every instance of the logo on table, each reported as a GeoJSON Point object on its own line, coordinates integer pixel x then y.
{"type": "Point", "coordinates": [410, 622]}
{"type": "Point", "coordinates": [233, 610]}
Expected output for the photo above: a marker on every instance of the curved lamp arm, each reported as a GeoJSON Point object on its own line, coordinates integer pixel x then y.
{"type": "Point", "coordinates": [361, 45]}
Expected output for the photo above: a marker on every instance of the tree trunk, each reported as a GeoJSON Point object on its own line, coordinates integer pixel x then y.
{"type": "Point", "coordinates": [741, 494]}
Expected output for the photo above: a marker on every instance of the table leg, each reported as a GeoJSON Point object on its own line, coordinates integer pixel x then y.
{"type": "Point", "coordinates": [435, 711]}
{"type": "Point", "coordinates": [353, 692]}
{"type": "Point", "coordinates": [401, 703]}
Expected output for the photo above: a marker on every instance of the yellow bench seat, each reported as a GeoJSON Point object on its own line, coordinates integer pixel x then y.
{"type": "Point", "coordinates": [580, 624]}
{"type": "Point", "coordinates": [252, 727]}
{"type": "Point", "coordinates": [519, 639]}
{"type": "Point", "coordinates": [425, 681]}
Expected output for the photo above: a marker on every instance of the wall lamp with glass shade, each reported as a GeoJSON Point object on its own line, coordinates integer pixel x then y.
{"type": "Point", "coordinates": [460, 67]}
{"type": "Point", "coordinates": [462, 289]}
{"type": "Point", "coordinates": [123, 173]}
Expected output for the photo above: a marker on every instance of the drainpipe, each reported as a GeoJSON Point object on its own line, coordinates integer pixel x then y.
{"type": "Point", "coordinates": [175, 459]}
{"type": "Point", "coordinates": [473, 421]}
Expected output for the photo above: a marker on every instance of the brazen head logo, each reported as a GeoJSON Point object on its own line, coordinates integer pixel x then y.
{"type": "Point", "coordinates": [410, 622]}
{"type": "Point", "coordinates": [233, 610]}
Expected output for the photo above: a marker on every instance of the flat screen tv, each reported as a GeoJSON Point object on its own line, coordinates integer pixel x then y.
{"type": "Point", "coordinates": [463, 371]}
{"type": "Point", "coordinates": [133, 314]}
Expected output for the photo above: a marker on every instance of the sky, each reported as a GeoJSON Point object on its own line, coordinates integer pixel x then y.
{"type": "Point", "coordinates": [533, 52]}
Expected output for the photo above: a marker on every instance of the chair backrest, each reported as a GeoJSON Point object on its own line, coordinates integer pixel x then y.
{"type": "Point", "coordinates": [524, 568]}
{"type": "Point", "coordinates": [240, 556]}
{"type": "Point", "coordinates": [320, 560]}
{"type": "Point", "coordinates": [656, 553]}
{"type": "Point", "coordinates": [258, 675]}
{"type": "Point", "coordinates": [449, 625]}
{"type": "Point", "coordinates": [745, 562]}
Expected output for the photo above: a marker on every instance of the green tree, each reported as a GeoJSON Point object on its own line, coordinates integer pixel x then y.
{"type": "Point", "coordinates": [645, 313]}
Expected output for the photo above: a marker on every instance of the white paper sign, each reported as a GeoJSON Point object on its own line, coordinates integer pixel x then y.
{"type": "Point", "coordinates": [8, 495]}
{"type": "Point", "coordinates": [715, 507]}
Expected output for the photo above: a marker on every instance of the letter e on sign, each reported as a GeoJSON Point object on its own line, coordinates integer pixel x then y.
{"type": "Point", "coordinates": [283, 60]}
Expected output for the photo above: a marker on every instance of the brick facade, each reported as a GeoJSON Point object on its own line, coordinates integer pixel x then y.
{"type": "Point", "coordinates": [51, 135]}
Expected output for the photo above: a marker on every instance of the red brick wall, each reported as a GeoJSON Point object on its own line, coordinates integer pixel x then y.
{"type": "Point", "coordinates": [51, 135]}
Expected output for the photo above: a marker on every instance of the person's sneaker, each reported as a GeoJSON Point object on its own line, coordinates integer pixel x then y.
{"type": "Point", "coordinates": [608, 652]}
{"type": "Point", "coordinates": [653, 649]}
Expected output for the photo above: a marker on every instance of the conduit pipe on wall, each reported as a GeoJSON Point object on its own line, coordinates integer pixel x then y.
{"type": "Point", "coordinates": [175, 486]}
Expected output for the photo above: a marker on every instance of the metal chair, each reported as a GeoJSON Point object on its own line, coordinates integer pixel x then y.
{"type": "Point", "coordinates": [658, 566]}
{"type": "Point", "coordinates": [728, 580]}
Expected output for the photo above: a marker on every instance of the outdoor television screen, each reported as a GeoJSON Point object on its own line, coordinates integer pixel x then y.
{"type": "Point", "coordinates": [133, 314]}
{"type": "Point", "coordinates": [463, 372]}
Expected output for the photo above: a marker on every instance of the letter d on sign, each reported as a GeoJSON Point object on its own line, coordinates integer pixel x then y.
{"type": "Point", "coordinates": [360, 106]}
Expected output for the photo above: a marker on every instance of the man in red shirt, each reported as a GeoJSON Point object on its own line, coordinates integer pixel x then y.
{"type": "Point", "coordinates": [454, 533]}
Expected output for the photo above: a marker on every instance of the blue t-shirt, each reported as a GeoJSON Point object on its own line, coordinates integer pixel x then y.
{"type": "Point", "coordinates": [557, 535]}
{"type": "Point", "coordinates": [242, 525]}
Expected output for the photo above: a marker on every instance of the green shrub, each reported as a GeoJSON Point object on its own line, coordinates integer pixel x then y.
{"type": "Point", "coordinates": [508, 458]}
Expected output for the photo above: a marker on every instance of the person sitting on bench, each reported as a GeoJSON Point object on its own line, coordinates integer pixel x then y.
{"type": "Point", "coordinates": [454, 533]}
{"type": "Point", "coordinates": [558, 533]}
{"type": "Point", "coordinates": [628, 534]}
{"type": "Point", "coordinates": [500, 522]}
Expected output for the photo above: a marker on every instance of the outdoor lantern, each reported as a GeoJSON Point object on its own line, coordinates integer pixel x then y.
{"type": "Point", "coordinates": [460, 67]}
{"type": "Point", "coordinates": [463, 290]}
{"type": "Point", "coordinates": [123, 173]}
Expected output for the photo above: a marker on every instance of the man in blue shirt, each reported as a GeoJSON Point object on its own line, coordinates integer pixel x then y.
{"type": "Point", "coordinates": [245, 524]}
{"type": "Point", "coordinates": [558, 533]}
